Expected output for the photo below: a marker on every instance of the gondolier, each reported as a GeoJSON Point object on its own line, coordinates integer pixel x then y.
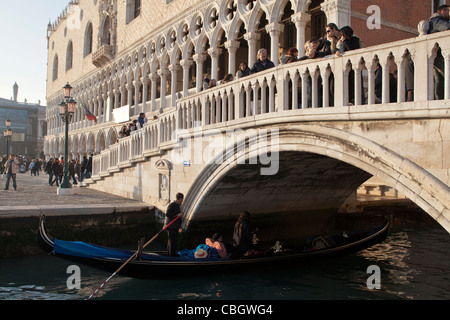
{"type": "Point", "coordinates": [173, 211]}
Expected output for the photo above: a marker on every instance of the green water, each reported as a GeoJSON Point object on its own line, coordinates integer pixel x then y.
{"type": "Point", "coordinates": [414, 264]}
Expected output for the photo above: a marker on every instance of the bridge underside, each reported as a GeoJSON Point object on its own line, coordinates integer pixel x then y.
{"type": "Point", "coordinates": [305, 183]}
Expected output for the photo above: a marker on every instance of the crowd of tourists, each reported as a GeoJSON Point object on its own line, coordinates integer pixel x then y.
{"type": "Point", "coordinates": [54, 167]}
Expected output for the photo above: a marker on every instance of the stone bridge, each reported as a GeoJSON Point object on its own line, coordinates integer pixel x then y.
{"type": "Point", "coordinates": [298, 138]}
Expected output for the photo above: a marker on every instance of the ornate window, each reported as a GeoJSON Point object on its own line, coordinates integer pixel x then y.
{"type": "Point", "coordinates": [69, 56]}
{"type": "Point", "coordinates": [55, 68]}
{"type": "Point", "coordinates": [133, 10]}
{"type": "Point", "coordinates": [88, 40]}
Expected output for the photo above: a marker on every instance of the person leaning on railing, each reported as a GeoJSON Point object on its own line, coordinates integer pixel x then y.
{"type": "Point", "coordinates": [262, 63]}
{"type": "Point", "coordinates": [438, 22]}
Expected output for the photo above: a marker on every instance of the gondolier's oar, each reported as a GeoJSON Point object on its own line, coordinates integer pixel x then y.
{"type": "Point", "coordinates": [131, 258]}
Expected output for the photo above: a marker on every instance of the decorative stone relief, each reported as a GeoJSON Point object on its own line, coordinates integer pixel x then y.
{"type": "Point", "coordinates": [164, 167]}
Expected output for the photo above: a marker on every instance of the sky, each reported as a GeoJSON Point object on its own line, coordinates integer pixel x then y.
{"type": "Point", "coordinates": [23, 46]}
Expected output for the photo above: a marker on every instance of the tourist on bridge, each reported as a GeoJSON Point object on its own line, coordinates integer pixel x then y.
{"type": "Point", "coordinates": [292, 55]}
{"type": "Point", "coordinates": [243, 71]}
{"type": "Point", "coordinates": [439, 21]}
{"type": "Point", "coordinates": [262, 63]}
{"type": "Point", "coordinates": [333, 36]}
{"type": "Point", "coordinates": [141, 119]}
{"type": "Point", "coordinates": [174, 211]}
{"type": "Point", "coordinates": [347, 42]}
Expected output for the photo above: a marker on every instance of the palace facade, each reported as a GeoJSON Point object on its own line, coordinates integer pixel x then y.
{"type": "Point", "coordinates": [127, 57]}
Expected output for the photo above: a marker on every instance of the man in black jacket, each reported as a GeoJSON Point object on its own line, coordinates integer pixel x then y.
{"type": "Point", "coordinates": [322, 48]}
{"type": "Point", "coordinates": [262, 63]}
{"type": "Point", "coordinates": [439, 20]}
{"type": "Point", "coordinates": [174, 211]}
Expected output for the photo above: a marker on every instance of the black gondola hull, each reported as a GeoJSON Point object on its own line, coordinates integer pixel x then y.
{"type": "Point", "coordinates": [162, 268]}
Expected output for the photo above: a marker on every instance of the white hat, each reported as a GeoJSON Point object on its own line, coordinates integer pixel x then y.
{"type": "Point", "coordinates": [200, 253]}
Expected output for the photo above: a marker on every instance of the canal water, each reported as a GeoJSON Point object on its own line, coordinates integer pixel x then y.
{"type": "Point", "coordinates": [414, 263]}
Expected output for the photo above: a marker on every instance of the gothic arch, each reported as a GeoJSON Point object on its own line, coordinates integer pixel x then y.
{"type": "Point", "coordinates": [367, 157]}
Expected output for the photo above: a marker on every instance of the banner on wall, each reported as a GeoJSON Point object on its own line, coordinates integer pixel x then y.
{"type": "Point", "coordinates": [121, 114]}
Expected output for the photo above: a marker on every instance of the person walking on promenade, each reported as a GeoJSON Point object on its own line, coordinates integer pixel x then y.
{"type": "Point", "coordinates": [49, 171]}
{"type": "Point", "coordinates": [12, 165]}
{"type": "Point", "coordinates": [78, 169]}
{"type": "Point", "coordinates": [56, 171]}
{"type": "Point", "coordinates": [174, 211]}
{"type": "Point", "coordinates": [72, 171]}
{"type": "Point", "coordinates": [89, 167]}
{"type": "Point", "coordinates": [84, 164]}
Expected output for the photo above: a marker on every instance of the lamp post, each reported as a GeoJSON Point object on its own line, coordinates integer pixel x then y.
{"type": "Point", "coordinates": [7, 133]}
{"type": "Point", "coordinates": [66, 111]}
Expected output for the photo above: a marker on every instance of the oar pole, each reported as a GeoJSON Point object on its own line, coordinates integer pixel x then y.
{"type": "Point", "coordinates": [132, 257]}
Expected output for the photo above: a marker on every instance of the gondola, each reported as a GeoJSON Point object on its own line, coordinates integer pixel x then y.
{"type": "Point", "coordinates": [159, 265]}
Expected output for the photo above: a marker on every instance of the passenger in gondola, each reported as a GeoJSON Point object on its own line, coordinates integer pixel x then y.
{"type": "Point", "coordinates": [242, 235]}
{"type": "Point", "coordinates": [174, 211]}
{"type": "Point", "coordinates": [217, 242]}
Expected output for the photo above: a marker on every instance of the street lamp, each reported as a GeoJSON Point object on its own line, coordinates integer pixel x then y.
{"type": "Point", "coordinates": [66, 111]}
{"type": "Point", "coordinates": [7, 133]}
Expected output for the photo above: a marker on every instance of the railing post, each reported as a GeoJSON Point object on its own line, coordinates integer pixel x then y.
{"type": "Point", "coordinates": [339, 82]}
{"type": "Point", "coordinates": [446, 54]}
{"type": "Point", "coordinates": [422, 72]}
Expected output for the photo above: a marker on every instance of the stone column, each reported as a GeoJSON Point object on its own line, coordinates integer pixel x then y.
{"type": "Point", "coordinates": [274, 29]}
{"type": "Point", "coordinates": [232, 47]}
{"type": "Point", "coordinates": [109, 107]}
{"type": "Point", "coordinates": [163, 74]}
{"type": "Point", "coordinates": [385, 86]}
{"type": "Point", "coordinates": [173, 68]}
{"type": "Point", "coordinates": [301, 19]}
{"type": "Point", "coordinates": [137, 85]}
{"type": "Point", "coordinates": [214, 53]}
{"type": "Point", "coordinates": [251, 38]}
{"type": "Point", "coordinates": [154, 77]}
{"type": "Point", "coordinates": [116, 98]}
{"type": "Point", "coordinates": [144, 81]}
{"type": "Point", "coordinates": [186, 64]}
{"type": "Point", "coordinates": [199, 59]}
{"type": "Point", "coordinates": [129, 94]}
{"type": "Point", "coordinates": [337, 11]}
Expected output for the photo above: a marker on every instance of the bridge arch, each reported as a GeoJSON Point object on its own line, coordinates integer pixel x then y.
{"type": "Point", "coordinates": [333, 156]}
